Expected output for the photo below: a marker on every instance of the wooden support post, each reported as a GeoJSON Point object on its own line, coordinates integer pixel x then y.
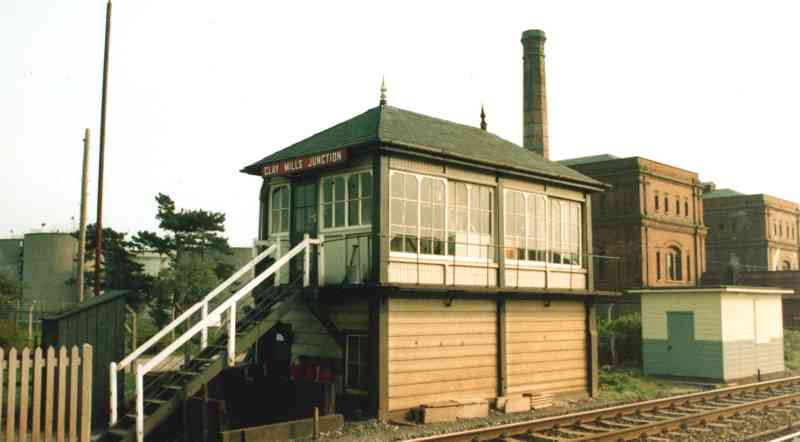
{"type": "Point", "coordinates": [30, 324]}
{"type": "Point", "coordinates": [591, 354]}
{"type": "Point", "coordinates": [502, 351]}
{"type": "Point", "coordinates": [316, 424]}
{"type": "Point", "coordinates": [232, 335]}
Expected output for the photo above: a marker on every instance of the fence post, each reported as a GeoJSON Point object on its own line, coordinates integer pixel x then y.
{"type": "Point", "coordinates": [112, 381]}
{"type": "Point", "coordinates": [36, 424]}
{"type": "Point", "coordinates": [232, 336]}
{"type": "Point", "coordinates": [30, 324]}
{"type": "Point", "coordinates": [306, 262]}
{"type": "Point", "coordinates": [24, 372]}
{"type": "Point", "coordinates": [12, 392]}
{"type": "Point", "coordinates": [86, 394]}
{"type": "Point", "coordinates": [73, 393]}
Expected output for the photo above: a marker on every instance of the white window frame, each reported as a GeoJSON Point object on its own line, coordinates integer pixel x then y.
{"type": "Point", "coordinates": [446, 257]}
{"type": "Point", "coordinates": [527, 263]}
{"type": "Point", "coordinates": [563, 241]}
{"type": "Point", "coordinates": [321, 199]}
{"type": "Point", "coordinates": [364, 340]}
{"type": "Point", "coordinates": [272, 210]}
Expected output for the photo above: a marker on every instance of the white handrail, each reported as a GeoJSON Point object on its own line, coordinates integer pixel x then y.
{"type": "Point", "coordinates": [201, 305]}
{"type": "Point", "coordinates": [193, 309]}
{"type": "Point", "coordinates": [228, 304]}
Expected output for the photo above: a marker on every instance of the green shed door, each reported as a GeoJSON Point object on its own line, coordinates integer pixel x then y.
{"type": "Point", "coordinates": [680, 345]}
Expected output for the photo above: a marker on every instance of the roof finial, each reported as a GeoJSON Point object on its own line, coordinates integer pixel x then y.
{"type": "Point", "coordinates": [483, 118]}
{"type": "Point", "coordinates": [383, 91]}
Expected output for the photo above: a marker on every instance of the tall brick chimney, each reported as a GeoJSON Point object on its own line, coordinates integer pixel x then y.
{"type": "Point", "coordinates": [534, 98]}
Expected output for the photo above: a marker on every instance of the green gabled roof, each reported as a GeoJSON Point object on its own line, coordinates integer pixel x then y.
{"type": "Point", "coordinates": [386, 125]}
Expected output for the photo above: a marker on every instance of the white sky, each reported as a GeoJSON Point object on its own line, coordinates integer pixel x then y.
{"type": "Point", "coordinates": [199, 89]}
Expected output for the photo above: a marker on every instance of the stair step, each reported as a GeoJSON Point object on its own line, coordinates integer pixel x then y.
{"type": "Point", "coordinates": [172, 387]}
{"type": "Point", "coordinates": [188, 373]}
{"type": "Point", "coordinates": [155, 401]}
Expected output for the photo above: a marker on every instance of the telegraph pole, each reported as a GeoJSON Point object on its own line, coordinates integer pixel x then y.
{"type": "Point", "coordinates": [82, 231]}
{"type": "Point", "coordinates": [98, 250]}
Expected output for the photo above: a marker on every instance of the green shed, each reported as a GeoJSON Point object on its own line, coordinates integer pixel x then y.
{"type": "Point", "coordinates": [725, 333]}
{"type": "Point", "coordinates": [100, 322]}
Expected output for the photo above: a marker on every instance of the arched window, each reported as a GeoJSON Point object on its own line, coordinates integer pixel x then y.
{"type": "Point", "coordinates": [674, 264]}
{"type": "Point", "coordinates": [786, 265]}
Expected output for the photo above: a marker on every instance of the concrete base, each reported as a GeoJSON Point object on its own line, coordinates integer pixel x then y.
{"type": "Point", "coordinates": [513, 404]}
{"type": "Point", "coordinates": [442, 411]}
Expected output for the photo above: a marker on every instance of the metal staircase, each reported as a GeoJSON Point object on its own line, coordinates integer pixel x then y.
{"type": "Point", "coordinates": [221, 337]}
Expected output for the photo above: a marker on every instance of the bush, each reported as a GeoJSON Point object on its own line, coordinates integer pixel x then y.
{"type": "Point", "coordinates": [791, 349]}
{"type": "Point", "coordinates": [10, 337]}
{"type": "Point", "coordinates": [621, 340]}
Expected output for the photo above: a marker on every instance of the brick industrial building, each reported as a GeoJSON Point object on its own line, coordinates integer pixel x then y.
{"type": "Point", "coordinates": [652, 218]}
{"type": "Point", "coordinates": [750, 232]}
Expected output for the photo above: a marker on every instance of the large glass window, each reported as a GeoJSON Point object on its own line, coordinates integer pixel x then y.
{"type": "Point", "coordinates": [525, 226]}
{"type": "Point", "coordinates": [404, 216]}
{"type": "Point", "coordinates": [425, 209]}
{"type": "Point", "coordinates": [279, 206]}
{"type": "Point", "coordinates": [470, 224]}
{"type": "Point", "coordinates": [431, 217]}
{"type": "Point", "coordinates": [565, 232]}
{"type": "Point", "coordinates": [347, 200]}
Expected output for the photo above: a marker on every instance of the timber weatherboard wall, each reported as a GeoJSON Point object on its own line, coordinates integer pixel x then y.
{"type": "Point", "coordinates": [547, 346]}
{"type": "Point", "coordinates": [736, 332]}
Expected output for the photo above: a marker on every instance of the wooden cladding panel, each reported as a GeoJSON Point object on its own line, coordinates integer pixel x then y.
{"type": "Point", "coordinates": [546, 346]}
{"type": "Point", "coordinates": [352, 315]}
{"type": "Point", "coordinates": [310, 336]}
{"type": "Point", "coordinates": [439, 352]}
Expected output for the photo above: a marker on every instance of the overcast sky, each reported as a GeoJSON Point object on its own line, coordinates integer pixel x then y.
{"type": "Point", "coordinates": [198, 89]}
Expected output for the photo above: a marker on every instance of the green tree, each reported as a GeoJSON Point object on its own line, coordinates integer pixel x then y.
{"type": "Point", "coordinates": [119, 270]}
{"type": "Point", "coordinates": [10, 286]}
{"type": "Point", "coordinates": [193, 241]}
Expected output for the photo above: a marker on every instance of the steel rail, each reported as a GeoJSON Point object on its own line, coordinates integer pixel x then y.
{"type": "Point", "coordinates": [634, 431]}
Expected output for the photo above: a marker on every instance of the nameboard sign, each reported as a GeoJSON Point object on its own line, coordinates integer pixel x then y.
{"type": "Point", "coordinates": [302, 164]}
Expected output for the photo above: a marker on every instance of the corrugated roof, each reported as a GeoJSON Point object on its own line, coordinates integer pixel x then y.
{"type": "Point", "coordinates": [387, 125]}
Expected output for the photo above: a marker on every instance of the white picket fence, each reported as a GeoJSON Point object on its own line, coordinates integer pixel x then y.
{"type": "Point", "coordinates": [40, 391]}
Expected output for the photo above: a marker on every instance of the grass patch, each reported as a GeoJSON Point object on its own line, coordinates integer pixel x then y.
{"type": "Point", "coordinates": [630, 384]}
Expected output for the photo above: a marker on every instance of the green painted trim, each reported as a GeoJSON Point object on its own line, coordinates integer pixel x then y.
{"type": "Point", "coordinates": [705, 359]}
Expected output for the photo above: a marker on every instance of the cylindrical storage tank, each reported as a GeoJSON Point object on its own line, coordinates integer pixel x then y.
{"type": "Point", "coordinates": [48, 263]}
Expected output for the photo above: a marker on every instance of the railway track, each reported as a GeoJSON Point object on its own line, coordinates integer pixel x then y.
{"type": "Point", "coordinates": [746, 412]}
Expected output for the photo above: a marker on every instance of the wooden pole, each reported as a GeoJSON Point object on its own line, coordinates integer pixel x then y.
{"type": "Point", "coordinates": [82, 228]}
{"type": "Point", "coordinates": [98, 247]}
{"type": "Point", "coordinates": [316, 423]}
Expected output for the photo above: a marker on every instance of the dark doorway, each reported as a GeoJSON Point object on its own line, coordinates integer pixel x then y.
{"type": "Point", "coordinates": [304, 220]}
